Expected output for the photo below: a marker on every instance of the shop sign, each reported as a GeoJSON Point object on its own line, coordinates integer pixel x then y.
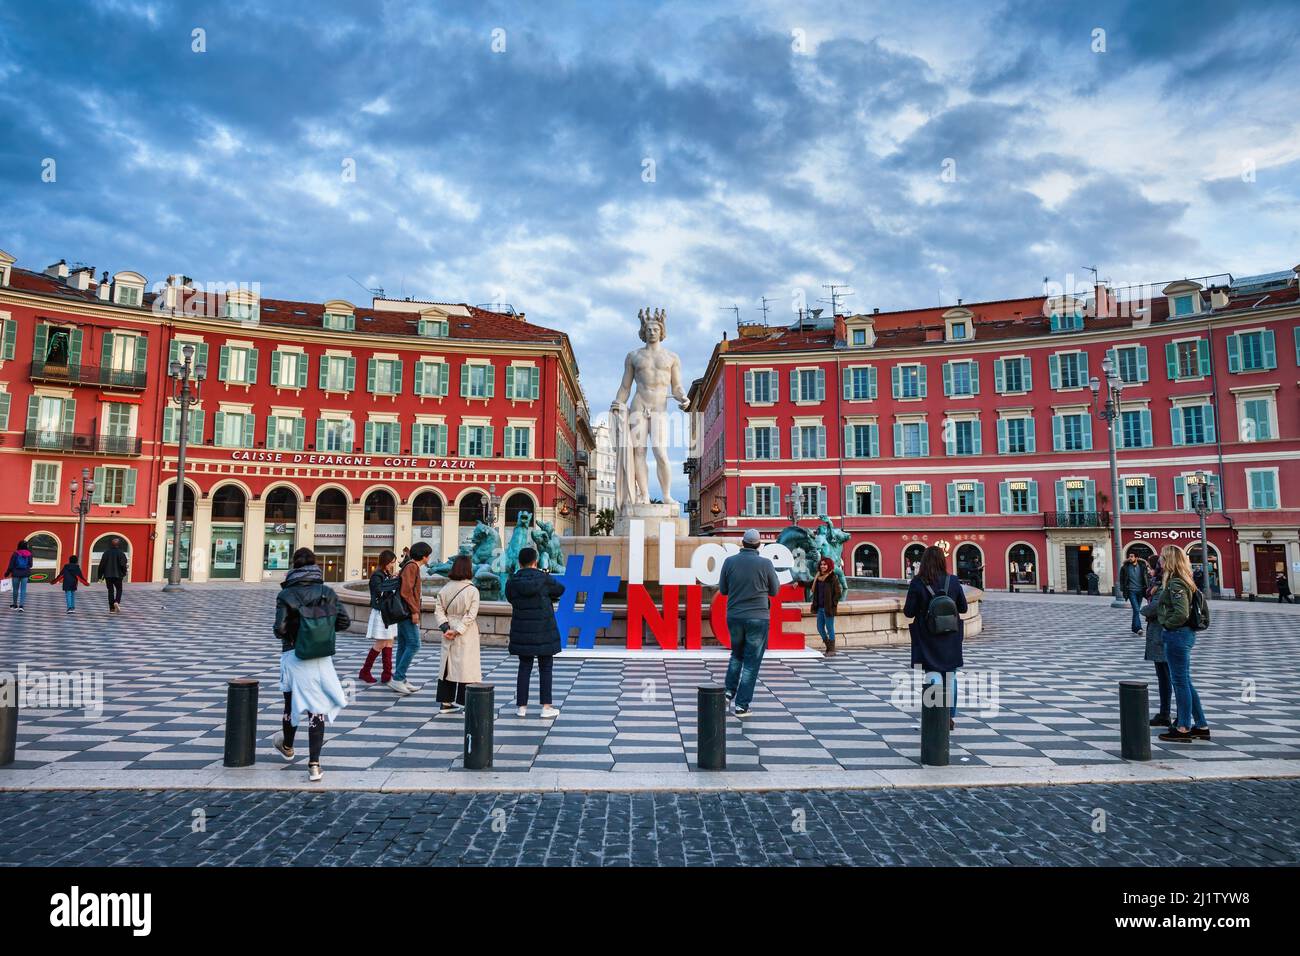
{"type": "Point", "coordinates": [351, 461]}
{"type": "Point", "coordinates": [1169, 534]}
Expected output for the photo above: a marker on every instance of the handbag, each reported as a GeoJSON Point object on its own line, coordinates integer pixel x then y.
{"type": "Point", "coordinates": [391, 606]}
{"type": "Point", "coordinates": [6, 585]}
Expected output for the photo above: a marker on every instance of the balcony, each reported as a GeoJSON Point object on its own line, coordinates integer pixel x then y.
{"type": "Point", "coordinates": [80, 443]}
{"type": "Point", "coordinates": [1076, 519]}
{"type": "Point", "coordinates": [75, 374]}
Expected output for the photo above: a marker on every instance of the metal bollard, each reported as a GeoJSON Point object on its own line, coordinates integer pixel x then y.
{"type": "Point", "coordinates": [1134, 721]}
{"type": "Point", "coordinates": [480, 711]}
{"type": "Point", "coordinates": [241, 722]}
{"type": "Point", "coordinates": [8, 720]}
{"type": "Point", "coordinates": [711, 728]}
{"type": "Point", "coordinates": [935, 714]}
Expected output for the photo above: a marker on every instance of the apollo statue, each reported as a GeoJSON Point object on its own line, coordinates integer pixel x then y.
{"type": "Point", "coordinates": [643, 423]}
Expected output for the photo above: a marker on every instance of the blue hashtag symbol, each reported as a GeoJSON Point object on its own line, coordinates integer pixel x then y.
{"type": "Point", "coordinates": [593, 587]}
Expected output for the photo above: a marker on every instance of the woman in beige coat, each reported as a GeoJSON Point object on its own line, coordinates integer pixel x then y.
{"type": "Point", "coordinates": [455, 612]}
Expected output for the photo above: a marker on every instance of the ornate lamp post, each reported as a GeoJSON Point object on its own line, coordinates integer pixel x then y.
{"type": "Point", "coordinates": [792, 499]}
{"type": "Point", "coordinates": [1110, 412]}
{"type": "Point", "coordinates": [491, 505]}
{"type": "Point", "coordinates": [82, 508]}
{"type": "Point", "coordinates": [184, 394]}
{"type": "Point", "coordinates": [1201, 501]}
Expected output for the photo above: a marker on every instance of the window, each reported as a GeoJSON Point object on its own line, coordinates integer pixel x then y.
{"type": "Point", "coordinates": [808, 441]}
{"type": "Point", "coordinates": [337, 373]}
{"type": "Point", "coordinates": [475, 441]}
{"type": "Point", "coordinates": [288, 369]}
{"type": "Point", "coordinates": [241, 311]}
{"type": "Point", "coordinates": [911, 440]}
{"type": "Point", "coordinates": [45, 483]}
{"type": "Point", "coordinates": [384, 376]}
{"type": "Point", "coordinates": [859, 336]}
{"type": "Point", "coordinates": [862, 441]}
{"type": "Point", "coordinates": [9, 340]}
{"type": "Point", "coordinates": [339, 322]}
{"type": "Point", "coordinates": [382, 438]}
{"type": "Point", "coordinates": [1135, 428]}
{"type": "Point", "coordinates": [285, 433]}
{"type": "Point", "coordinates": [762, 501]}
{"type": "Point", "coordinates": [807, 385]}
{"type": "Point", "coordinates": [760, 387]}
{"type": "Point", "coordinates": [1076, 501]}
{"type": "Point", "coordinates": [908, 381]}
{"type": "Point", "coordinates": [862, 499]}
{"type": "Point", "coordinates": [1263, 489]}
{"type": "Point", "coordinates": [965, 498]}
{"type": "Point", "coordinates": [912, 498]}
{"type": "Point", "coordinates": [114, 486]}
{"type": "Point", "coordinates": [238, 365]}
{"type": "Point", "coordinates": [518, 442]}
{"type": "Point", "coordinates": [1192, 424]}
{"type": "Point", "coordinates": [477, 381]}
{"type": "Point", "coordinates": [429, 439]}
{"type": "Point", "coordinates": [812, 500]}
{"type": "Point", "coordinates": [117, 419]}
{"type": "Point", "coordinates": [1015, 436]}
{"type": "Point", "coordinates": [961, 378]}
{"type": "Point", "coordinates": [233, 430]}
{"type": "Point", "coordinates": [523, 383]}
{"type": "Point", "coordinates": [1131, 363]}
{"type": "Point", "coordinates": [1187, 359]}
{"type": "Point", "coordinates": [860, 384]}
{"type": "Point", "coordinates": [1067, 322]}
{"type": "Point", "coordinates": [431, 379]}
{"type": "Point", "coordinates": [124, 353]}
{"type": "Point", "coordinates": [958, 331]}
{"type": "Point", "coordinates": [1187, 492]}
{"type": "Point", "coordinates": [1251, 351]}
{"type": "Point", "coordinates": [962, 436]}
{"type": "Point", "coordinates": [128, 295]}
{"type": "Point", "coordinates": [1072, 432]}
{"type": "Point", "coordinates": [433, 328]}
{"type": "Point", "coordinates": [1068, 369]}
{"type": "Point", "coordinates": [334, 435]}
{"type": "Point", "coordinates": [1011, 375]}
{"type": "Point", "coordinates": [1257, 416]}
{"type": "Point", "coordinates": [762, 443]}
{"type": "Point", "coordinates": [1184, 305]}
{"type": "Point", "coordinates": [4, 411]}
{"type": "Point", "coordinates": [1018, 496]}
{"type": "Point", "coordinates": [1139, 494]}
{"type": "Point", "coordinates": [49, 420]}
{"type": "Point", "coordinates": [193, 421]}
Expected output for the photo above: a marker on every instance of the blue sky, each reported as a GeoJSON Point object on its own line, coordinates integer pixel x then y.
{"type": "Point", "coordinates": [793, 144]}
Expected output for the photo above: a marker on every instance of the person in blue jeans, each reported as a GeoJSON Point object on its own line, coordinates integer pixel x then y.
{"type": "Point", "coordinates": [408, 631]}
{"type": "Point", "coordinates": [1133, 585]}
{"type": "Point", "coordinates": [936, 654]}
{"type": "Point", "coordinates": [20, 569]}
{"type": "Point", "coordinates": [70, 575]}
{"type": "Point", "coordinates": [1173, 610]}
{"type": "Point", "coordinates": [749, 582]}
{"type": "Point", "coordinates": [826, 595]}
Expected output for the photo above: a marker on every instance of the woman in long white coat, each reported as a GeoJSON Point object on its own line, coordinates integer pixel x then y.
{"type": "Point", "coordinates": [455, 613]}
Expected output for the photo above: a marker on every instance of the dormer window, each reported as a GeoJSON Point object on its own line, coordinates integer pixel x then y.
{"type": "Point", "coordinates": [1184, 298]}
{"type": "Point", "coordinates": [128, 288]}
{"type": "Point", "coordinates": [1184, 305]}
{"type": "Point", "coordinates": [1067, 321]}
{"type": "Point", "coordinates": [6, 266]}
{"type": "Point", "coordinates": [433, 328]}
{"type": "Point", "coordinates": [859, 337]}
{"type": "Point", "coordinates": [958, 331]}
{"type": "Point", "coordinates": [340, 323]}
{"type": "Point", "coordinates": [957, 325]}
{"type": "Point", "coordinates": [860, 333]}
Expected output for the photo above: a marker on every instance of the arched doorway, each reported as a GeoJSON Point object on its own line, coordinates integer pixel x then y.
{"type": "Point", "coordinates": [426, 521]}
{"type": "Point", "coordinates": [45, 556]}
{"type": "Point", "coordinates": [331, 532]}
{"type": "Point", "coordinates": [866, 561]}
{"type": "Point", "coordinates": [472, 510]}
{"type": "Point", "coordinates": [912, 560]}
{"type": "Point", "coordinates": [187, 529]}
{"type": "Point", "coordinates": [379, 517]}
{"type": "Point", "coordinates": [228, 504]}
{"type": "Point", "coordinates": [281, 529]}
{"type": "Point", "coordinates": [970, 565]}
{"type": "Point", "coordinates": [516, 503]}
{"type": "Point", "coordinates": [1142, 550]}
{"type": "Point", "coordinates": [97, 550]}
{"type": "Point", "coordinates": [1022, 565]}
{"type": "Point", "coordinates": [1216, 576]}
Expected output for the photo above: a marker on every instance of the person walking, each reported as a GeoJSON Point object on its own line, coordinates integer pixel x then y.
{"type": "Point", "coordinates": [70, 575]}
{"type": "Point", "coordinates": [1155, 652]}
{"type": "Point", "coordinates": [1283, 588]}
{"type": "Point", "coordinates": [749, 582]}
{"type": "Point", "coordinates": [307, 616]}
{"type": "Point", "coordinates": [938, 654]}
{"type": "Point", "coordinates": [114, 566]}
{"type": "Point", "coordinates": [534, 635]}
{"type": "Point", "coordinates": [455, 613]}
{"type": "Point", "coordinates": [20, 569]}
{"type": "Point", "coordinates": [380, 635]}
{"type": "Point", "coordinates": [1174, 611]}
{"type": "Point", "coordinates": [408, 631]}
{"type": "Point", "coordinates": [826, 595]}
{"type": "Point", "coordinates": [1133, 585]}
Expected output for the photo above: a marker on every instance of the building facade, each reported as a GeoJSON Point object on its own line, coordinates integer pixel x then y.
{"type": "Point", "coordinates": [347, 429]}
{"type": "Point", "coordinates": [975, 428]}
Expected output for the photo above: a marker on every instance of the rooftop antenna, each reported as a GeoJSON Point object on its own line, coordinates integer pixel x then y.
{"type": "Point", "coordinates": [765, 300]}
{"type": "Point", "coordinates": [377, 291]}
{"type": "Point", "coordinates": [836, 295]}
{"type": "Point", "coordinates": [734, 309]}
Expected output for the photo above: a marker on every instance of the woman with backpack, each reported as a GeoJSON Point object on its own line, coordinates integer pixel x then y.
{"type": "Point", "coordinates": [826, 595]}
{"type": "Point", "coordinates": [70, 575]}
{"type": "Point", "coordinates": [1181, 611]}
{"type": "Point", "coordinates": [307, 615]}
{"type": "Point", "coordinates": [935, 603]}
{"type": "Point", "coordinates": [20, 569]}
{"type": "Point", "coordinates": [382, 635]}
{"type": "Point", "coordinates": [455, 614]}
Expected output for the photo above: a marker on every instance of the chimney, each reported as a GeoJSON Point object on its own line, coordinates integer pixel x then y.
{"type": "Point", "coordinates": [1103, 301]}
{"type": "Point", "coordinates": [1218, 297]}
{"type": "Point", "coordinates": [59, 270]}
{"type": "Point", "coordinates": [875, 310]}
{"type": "Point", "coordinates": [81, 277]}
{"type": "Point", "coordinates": [841, 332]}
{"type": "Point", "coordinates": [176, 284]}
{"type": "Point", "coordinates": [103, 288]}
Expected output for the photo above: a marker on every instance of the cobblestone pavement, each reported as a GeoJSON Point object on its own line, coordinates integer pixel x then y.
{"type": "Point", "coordinates": [165, 661]}
{"type": "Point", "coordinates": [1245, 823]}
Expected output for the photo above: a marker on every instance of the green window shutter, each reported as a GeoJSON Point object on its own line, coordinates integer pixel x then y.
{"type": "Point", "coordinates": [794, 385]}
{"type": "Point", "coordinates": [509, 442]}
{"type": "Point", "coordinates": [201, 354]}
{"type": "Point", "coordinates": [949, 438]}
{"type": "Point", "coordinates": [510, 381]}
{"type": "Point", "coordinates": [796, 446]}
{"type": "Point", "coordinates": [370, 376]}
{"type": "Point", "coordinates": [749, 376]}
{"type": "Point", "coordinates": [444, 377]}
{"type": "Point", "coordinates": [1171, 361]}
{"type": "Point", "coordinates": [1234, 354]}
{"type": "Point", "coordinates": [99, 485]}
{"type": "Point", "coordinates": [1142, 363]}
{"type": "Point", "coordinates": [40, 341]}
{"type": "Point", "coordinates": [979, 497]}
{"type": "Point", "coordinates": [369, 439]}
{"type": "Point", "coordinates": [250, 429]}
{"type": "Point", "coordinates": [1145, 417]}
{"type": "Point", "coordinates": [490, 373]}
{"type": "Point", "coordinates": [1087, 432]}
{"type": "Point", "coordinates": [223, 372]}
{"type": "Point", "coordinates": [1089, 495]}
{"type": "Point", "coordinates": [848, 385]}
{"type": "Point", "coordinates": [219, 429]}
{"type": "Point", "coordinates": [821, 388]}
{"type": "Point", "coordinates": [947, 378]}
{"type": "Point", "coordinates": [1295, 333]}
{"type": "Point", "coordinates": [1054, 370]}
{"type": "Point", "coordinates": [925, 439]}
{"type": "Point", "coordinates": [442, 440]}
{"type": "Point", "coordinates": [896, 374]}
{"type": "Point", "coordinates": [301, 366]}
{"type": "Point", "coordinates": [416, 430]}
{"type": "Point", "coordinates": [1026, 374]}
{"type": "Point", "coordinates": [4, 411]}
{"type": "Point", "coordinates": [1030, 444]}
{"type": "Point", "coordinates": [1270, 349]}
{"type": "Point", "coordinates": [537, 382]}
{"type": "Point", "coordinates": [350, 377]}
{"type": "Point", "coordinates": [1208, 417]}
{"type": "Point", "coordinates": [252, 367]}
{"type": "Point", "coordinates": [1002, 436]}
{"type": "Point", "coordinates": [899, 501]}
{"type": "Point", "coordinates": [999, 380]}
{"type": "Point", "coordinates": [419, 378]}
{"type": "Point", "coordinates": [898, 440]}
{"type": "Point", "coordinates": [320, 434]}
{"type": "Point", "coordinates": [324, 372]}
{"type": "Point", "coordinates": [173, 352]}
{"type": "Point", "coordinates": [850, 500]}
{"type": "Point", "coordinates": [873, 438]}
{"type": "Point", "coordinates": [1033, 496]}
{"type": "Point", "coordinates": [974, 378]}
{"type": "Point", "coordinates": [141, 353]}
{"type": "Point", "coordinates": [10, 341]}
{"type": "Point", "coordinates": [464, 380]}
{"type": "Point", "coordinates": [130, 487]}
{"type": "Point", "coordinates": [74, 347]}
{"type": "Point", "coordinates": [169, 424]}
{"type": "Point", "coordinates": [489, 444]}
{"type": "Point", "coordinates": [1058, 433]}
{"type": "Point", "coordinates": [69, 415]}
{"type": "Point", "coordinates": [1176, 424]}
{"type": "Point", "coordinates": [1152, 505]}
{"type": "Point", "coordinates": [921, 375]}
{"type": "Point", "coordinates": [1004, 497]}
{"type": "Point", "coordinates": [462, 442]}
{"type": "Point", "coordinates": [952, 498]}
{"type": "Point", "coordinates": [977, 436]}
{"type": "Point", "coordinates": [195, 426]}
{"type": "Point", "coordinates": [749, 499]}
{"type": "Point", "coordinates": [926, 507]}
{"type": "Point", "coordinates": [1060, 496]}
{"type": "Point", "coordinates": [271, 439]}
{"type": "Point", "coordinates": [106, 352]}
{"type": "Point", "coordinates": [275, 367]}
{"type": "Point", "coordinates": [749, 444]}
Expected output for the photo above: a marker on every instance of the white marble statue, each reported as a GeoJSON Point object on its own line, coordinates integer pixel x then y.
{"type": "Point", "coordinates": [643, 423]}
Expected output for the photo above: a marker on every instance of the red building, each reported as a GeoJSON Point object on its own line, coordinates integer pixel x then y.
{"type": "Point", "coordinates": [974, 427]}
{"type": "Point", "coordinates": [343, 428]}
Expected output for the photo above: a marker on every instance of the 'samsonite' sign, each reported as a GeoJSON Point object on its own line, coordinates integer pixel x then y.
{"type": "Point", "coordinates": [363, 461]}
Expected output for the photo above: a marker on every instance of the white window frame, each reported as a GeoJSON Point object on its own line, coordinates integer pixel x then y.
{"type": "Point", "coordinates": [1250, 488]}
{"type": "Point", "coordinates": [58, 482]}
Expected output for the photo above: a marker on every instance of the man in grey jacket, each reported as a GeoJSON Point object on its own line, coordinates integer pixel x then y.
{"type": "Point", "coordinates": [749, 581]}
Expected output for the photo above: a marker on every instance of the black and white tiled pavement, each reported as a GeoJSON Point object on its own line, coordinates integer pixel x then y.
{"type": "Point", "coordinates": [165, 661]}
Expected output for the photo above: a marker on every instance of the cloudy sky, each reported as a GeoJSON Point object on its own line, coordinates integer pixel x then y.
{"type": "Point", "coordinates": [580, 160]}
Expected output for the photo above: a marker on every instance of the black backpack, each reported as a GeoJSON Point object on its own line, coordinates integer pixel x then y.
{"type": "Point", "coordinates": [1198, 611]}
{"type": "Point", "coordinates": [941, 616]}
{"type": "Point", "coordinates": [391, 606]}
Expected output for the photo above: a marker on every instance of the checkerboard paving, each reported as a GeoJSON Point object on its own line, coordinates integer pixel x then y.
{"type": "Point", "coordinates": [166, 659]}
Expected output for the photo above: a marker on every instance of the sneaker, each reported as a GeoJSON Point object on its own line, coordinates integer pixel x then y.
{"type": "Point", "coordinates": [411, 688]}
{"type": "Point", "coordinates": [451, 708]}
{"type": "Point", "coordinates": [743, 712]}
{"type": "Point", "coordinates": [399, 687]}
{"type": "Point", "coordinates": [69, 610]}
{"type": "Point", "coordinates": [1201, 733]}
{"type": "Point", "coordinates": [549, 712]}
{"type": "Point", "coordinates": [277, 741]}
{"type": "Point", "coordinates": [731, 697]}
{"type": "Point", "coordinates": [521, 712]}
{"type": "Point", "coordinates": [1174, 735]}
{"type": "Point", "coordinates": [21, 609]}
{"type": "Point", "coordinates": [1161, 720]}
{"type": "Point", "coordinates": [314, 772]}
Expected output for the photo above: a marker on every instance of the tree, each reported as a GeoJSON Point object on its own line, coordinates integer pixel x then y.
{"type": "Point", "coordinates": [604, 522]}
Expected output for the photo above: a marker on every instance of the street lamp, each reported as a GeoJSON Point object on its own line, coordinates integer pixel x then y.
{"type": "Point", "coordinates": [1109, 412]}
{"type": "Point", "coordinates": [792, 499]}
{"type": "Point", "coordinates": [491, 505]}
{"type": "Point", "coordinates": [182, 374]}
{"type": "Point", "coordinates": [1202, 503]}
{"type": "Point", "coordinates": [82, 508]}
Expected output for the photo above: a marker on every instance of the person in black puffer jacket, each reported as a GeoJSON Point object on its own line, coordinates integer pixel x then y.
{"type": "Point", "coordinates": [533, 631]}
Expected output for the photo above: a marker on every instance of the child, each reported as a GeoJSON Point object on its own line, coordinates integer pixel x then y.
{"type": "Point", "coordinates": [70, 575]}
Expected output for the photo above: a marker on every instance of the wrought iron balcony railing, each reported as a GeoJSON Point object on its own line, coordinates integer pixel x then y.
{"type": "Point", "coordinates": [1076, 519]}
{"type": "Point", "coordinates": [80, 443]}
{"type": "Point", "coordinates": [76, 374]}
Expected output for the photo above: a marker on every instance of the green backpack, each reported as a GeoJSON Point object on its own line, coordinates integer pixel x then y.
{"type": "Point", "coordinates": [315, 636]}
